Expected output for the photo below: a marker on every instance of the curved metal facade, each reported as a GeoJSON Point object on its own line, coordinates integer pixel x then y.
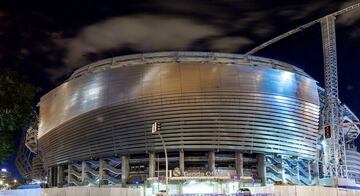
{"type": "Point", "coordinates": [203, 101]}
{"type": "Point", "coordinates": [353, 164]}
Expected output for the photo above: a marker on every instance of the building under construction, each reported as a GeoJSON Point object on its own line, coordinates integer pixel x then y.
{"type": "Point", "coordinates": [223, 117]}
{"type": "Point", "coordinates": [197, 119]}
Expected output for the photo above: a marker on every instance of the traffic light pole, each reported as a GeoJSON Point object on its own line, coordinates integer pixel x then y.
{"type": "Point", "coordinates": [166, 163]}
{"type": "Point", "coordinates": [156, 130]}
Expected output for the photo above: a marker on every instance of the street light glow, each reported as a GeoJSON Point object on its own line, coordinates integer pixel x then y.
{"type": "Point", "coordinates": [323, 143]}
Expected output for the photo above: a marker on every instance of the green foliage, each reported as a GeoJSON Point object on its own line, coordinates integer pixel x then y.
{"type": "Point", "coordinates": [17, 110]}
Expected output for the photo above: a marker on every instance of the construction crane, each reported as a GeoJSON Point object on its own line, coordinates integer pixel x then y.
{"type": "Point", "coordinates": [334, 154]}
{"type": "Point", "coordinates": [334, 158]}
{"type": "Point", "coordinates": [298, 29]}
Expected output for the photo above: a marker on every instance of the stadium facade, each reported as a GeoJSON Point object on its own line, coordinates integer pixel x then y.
{"type": "Point", "coordinates": [224, 118]}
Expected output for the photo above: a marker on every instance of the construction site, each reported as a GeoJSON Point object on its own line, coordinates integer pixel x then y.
{"type": "Point", "coordinates": [184, 122]}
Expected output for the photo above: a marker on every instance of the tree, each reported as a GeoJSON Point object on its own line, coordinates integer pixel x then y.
{"type": "Point", "coordinates": [17, 110]}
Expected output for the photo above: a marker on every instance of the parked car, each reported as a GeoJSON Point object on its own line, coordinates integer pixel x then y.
{"type": "Point", "coordinates": [161, 193]}
{"type": "Point", "coordinates": [244, 192]}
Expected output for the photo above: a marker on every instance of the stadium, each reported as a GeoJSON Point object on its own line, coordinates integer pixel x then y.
{"type": "Point", "coordinates": [227, 120]}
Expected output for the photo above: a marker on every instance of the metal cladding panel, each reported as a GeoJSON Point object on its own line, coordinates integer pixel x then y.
{"type": "Point", "coordinates": [353, 164]}
{"type": "Point", "coordinates": [200, 106]}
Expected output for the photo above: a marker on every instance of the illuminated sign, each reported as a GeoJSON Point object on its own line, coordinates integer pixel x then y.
{"type": "Point", "coordinates": [208, 173]}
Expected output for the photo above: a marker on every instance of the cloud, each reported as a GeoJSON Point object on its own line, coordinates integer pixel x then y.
{"type": "Point", "coordinates": [182, 28]}
{"type": "Point", "coordinates": [350, 17]}
{"type": "Point", "coordinates": [138, 32]}
{"type": "Point", "coordinates": [355, 33]}
{"type": "Point", "coordinates": [306, 10]}
{"type": "Point", "coordinates": [2, 13]}
{"type": "Point", "coordinates": [230, 44]}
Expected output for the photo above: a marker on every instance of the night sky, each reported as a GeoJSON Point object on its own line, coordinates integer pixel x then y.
{"type": "Point", "coordinates": [46, 40]}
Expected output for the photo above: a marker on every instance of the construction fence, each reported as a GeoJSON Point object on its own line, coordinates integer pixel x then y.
{"type": "Point", "coordinates": [256, 191]}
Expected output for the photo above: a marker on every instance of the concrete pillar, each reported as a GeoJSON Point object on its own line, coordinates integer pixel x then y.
{"type": "Point", "coordinates": [261, 167]}
{"type": "Point", "coordinates": [315, 171]}
{"type": "Point", "coordinates": [101, 171]}
{"type": "Point", "coordinates": [282, 166]}
{"type": "Point", "coordinates": [53, 176]}
{"type": "Point", "coordinates": [152, 164]}
{"type": "Point", "coordinates": [182, 162]}
{"type": "Point", "coordinates": [298, 170]}
{"type": "Point", "coordinates": [60, 175]}
{"type": "Point", "coordinates": [83, 166]}
{"type": "Point", "coordinates": [239, 163]}
{"type": "Point", "coordinates": [69, 174]}
{"type": "Point", "coordinates": [309, 169]}
{"type": "Point", "coordinates": [50, 177]}
{"type": "Point", "coordinates": [211, 161]}
{"type": "Point", "coordinates": [125, 167]}
{"type": "Point", "coordinates": [182, 169]}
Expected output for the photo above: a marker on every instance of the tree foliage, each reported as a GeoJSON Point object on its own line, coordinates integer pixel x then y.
{"type": "Point", "coordinates": [17, 110]}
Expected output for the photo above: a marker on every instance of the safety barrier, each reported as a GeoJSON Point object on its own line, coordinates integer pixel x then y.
{"type": "Point", "coordinates": [74, 191]}
{"type": "Point", "coordinates": [268, 190]}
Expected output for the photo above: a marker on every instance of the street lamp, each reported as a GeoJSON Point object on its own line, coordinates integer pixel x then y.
{"type": "Point", "coordinates": [156, 129]}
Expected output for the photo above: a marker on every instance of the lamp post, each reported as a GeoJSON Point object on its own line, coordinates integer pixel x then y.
{"type": "Point", "coordinates": [156, 129]}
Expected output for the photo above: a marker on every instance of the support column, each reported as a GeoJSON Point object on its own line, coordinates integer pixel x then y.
{"type": "Point", "coordinates": [83, 166]}
{"type": "Point", "coordinates": [282, 166]}
{"type": "Point", "coordinates": [101, 171]}
{"type": "Point", "coordinates": [152, 165]}
{"type": "Point", "coordinates": [182, 162]}
{"type": "Point", "coordinates": [239, 163]}
{"type": "Point", "coordinates": [182, 169]}
{"type": "Point", "coordinates": [315, 171]}
{"type": "Point", "coordinates": [211, 161]}
{"type": "Point", "coordinates": [55, 176]}
{"type": "Point", "coordinates": [50, 178]}
{"type": "Point", "coordinates": [261, 167]}
{"type": "Point", "coordinates": [53, 171]}
{"type": "Point", "coordinates": [60, 175]}
{"type": "Point", "coordinates": [298, 170]}
{"type": "Point", "coordinates": [125, 167]}
{"type": "Point", "coordinates": [69, 174]}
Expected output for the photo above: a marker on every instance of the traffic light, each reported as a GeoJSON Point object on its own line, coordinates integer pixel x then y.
{"type": "Point", "coordinates": [155, 127]}
{"type": "Point", "coordinates": [327, 132]}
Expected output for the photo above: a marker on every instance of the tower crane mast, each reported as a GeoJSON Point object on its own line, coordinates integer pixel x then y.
{"type": "Point", "coordinates": [333, 158]}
